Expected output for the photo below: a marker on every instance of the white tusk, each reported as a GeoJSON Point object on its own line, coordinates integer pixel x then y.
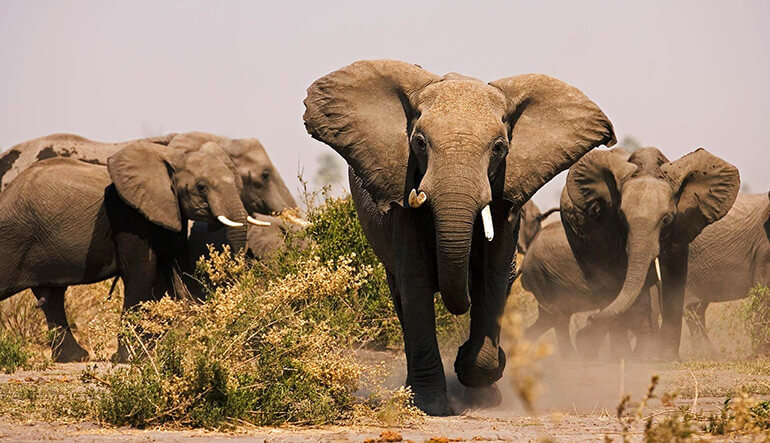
{"type": "Point", "coordinates": [227, 222]}
{"type": "Point", "coordinates": [297, 220]}
{"type": "Point", "coordinates": [416, 200]}
{"type": "Point", "coordinates": [657, 268]}
{"type": "Point", "coordinates": [486, 219]}
{"type": "Point", "coordinates": [256, 222]}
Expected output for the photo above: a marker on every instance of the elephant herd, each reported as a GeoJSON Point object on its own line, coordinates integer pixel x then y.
{"type": "Point", "coordinates": [75, 211]}
{"type": "Point", "coordinates": [441, 170]}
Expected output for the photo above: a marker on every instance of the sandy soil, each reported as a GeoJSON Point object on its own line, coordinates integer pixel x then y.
{"type": "Point", "coordinates": [577, 403]}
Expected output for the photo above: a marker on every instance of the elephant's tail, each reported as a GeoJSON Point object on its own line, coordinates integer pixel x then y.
{"type": "Point", "coordinates": [545, 214]}
{"type": "Point", "coordinates": [112, 288]}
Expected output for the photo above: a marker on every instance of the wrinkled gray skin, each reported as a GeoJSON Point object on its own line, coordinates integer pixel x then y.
{"type": "Point", "coordinates": [263, 189]}
{"type": "Point", "coordinates": [728, 258]}
{"type": "Point", "coordinates": [260, 243]}
{"type": "Point", "coordinates": [57, 231]}
{"type": "Point", "coordinates": [465, 144]}
{"type": "Point", "coordinates": [619, 213]}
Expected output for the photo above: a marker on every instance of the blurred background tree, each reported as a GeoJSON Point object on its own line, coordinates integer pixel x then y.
{"type": "Point", "coordinates": [629, 143]}
{"type": "Point", "coordinates": [329, 171]}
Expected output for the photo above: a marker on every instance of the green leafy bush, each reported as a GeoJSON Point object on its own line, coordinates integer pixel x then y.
{"type": "Point", "coordinates": [13, 353]}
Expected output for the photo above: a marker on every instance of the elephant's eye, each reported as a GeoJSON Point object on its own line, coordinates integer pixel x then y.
{"type": "Point", "coordinates": [500, 148]}
{"type": "Point", "coordinates": [265, 176]}
{"type": "Point", "coordinates": [201, 187]}
{"type": "Point", "coordinates": [419, 143]}
{"type": "Point", "coordinates": [666, 220]}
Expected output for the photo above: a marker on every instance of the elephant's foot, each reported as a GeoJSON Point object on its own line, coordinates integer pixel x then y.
{"type": "Point", "coordinates": [66, 350]}
{"type": "Point", "coordinates": [479, 368]}
{"type": "Point", "coordinates": [476, 398]}
{"type": "Point", "coordinates": [588, 340]}
{"type": "Point", "coordinates": [121, 355]}
{"type": "Point", "coordinates": [434, 404]}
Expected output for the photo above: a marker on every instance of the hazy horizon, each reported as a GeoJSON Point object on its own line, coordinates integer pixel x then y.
{"type": "Point", "coordinates": [677, 76]}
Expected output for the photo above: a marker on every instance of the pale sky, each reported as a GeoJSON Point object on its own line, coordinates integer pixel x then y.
{"type": "Point", "coordinates": [674, 74]}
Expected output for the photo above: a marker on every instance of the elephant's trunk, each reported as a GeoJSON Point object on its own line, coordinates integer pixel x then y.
{"type": "Point", "coordinates": [642, 250]}
{"type": "Point", "coordinates": [454, 216]}
{"type": "Point", "coordinates": [232, 209]}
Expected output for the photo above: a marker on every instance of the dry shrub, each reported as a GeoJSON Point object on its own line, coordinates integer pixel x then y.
{"type": "Point", "coordinates": [93, 313]}
{"type": "Point", "coordinates": [20, 317]}
{"type": "Point", "coordinates": [742, 416]}
{"type": "Point", "coordinates": [251, 353]}
{"type": "Point", "coordinates": [756, 312]}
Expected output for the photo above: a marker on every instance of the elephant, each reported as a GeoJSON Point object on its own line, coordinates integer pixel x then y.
{"type": "Point", "coordinates": [263, 191]}
{"type": "Point", "coordinates": [629, 221]}
{"type": "Point", "coordinates": [531, 220]}
{"type": "Point", "coordinates": [725, 260]}
{"type": "Point", "coordinates": [551, 273]}
{"type": "Point", "coordinates": [65, 222]}
{"type": "Point", "coordinates": [728, 258]}
{"type": "Point", "coordinates": [262, 240]}
{"type": "Point", "coordinates": [439, 168]}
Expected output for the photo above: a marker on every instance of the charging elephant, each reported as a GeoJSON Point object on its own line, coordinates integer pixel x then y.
{"type": "Point", "coordinates": [439, 170]}
{"type": "Point", "coordinates": [263, 190]}
{"type": "Point", "coordinates": [727, 259]}
{"type": "Point", "coordinates": [65, 222]}
{"type": "Point", "coordinates": [621, 213]}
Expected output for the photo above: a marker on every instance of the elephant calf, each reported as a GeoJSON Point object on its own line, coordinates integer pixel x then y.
{"type": "Point", "coordinates": [65, 222]}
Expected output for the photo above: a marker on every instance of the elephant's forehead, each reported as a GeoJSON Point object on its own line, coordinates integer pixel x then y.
{"type": "Point", "coordinates": [463, 102]}
{"type": "Point", "coordinates": [201, 164]}
{"type": "Point", "coordinates": [647, 190]}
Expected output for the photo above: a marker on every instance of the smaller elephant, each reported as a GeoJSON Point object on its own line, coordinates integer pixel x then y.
{"type": "Point", "coordinates": [550, 271]}
{"type": "Point", "coordinates": [65, 222]}
{"type": "Point", "coordinates": [628, 220]}
{"type": "Point", "coordinates": [728, 258]}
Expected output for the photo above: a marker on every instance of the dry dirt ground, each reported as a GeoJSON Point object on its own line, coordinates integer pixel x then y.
{"type": "Point", "coordinates": [577, 403]}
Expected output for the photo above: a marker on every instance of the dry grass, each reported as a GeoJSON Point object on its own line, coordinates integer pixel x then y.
{"type": "Point", "coordinates": [523, 357]}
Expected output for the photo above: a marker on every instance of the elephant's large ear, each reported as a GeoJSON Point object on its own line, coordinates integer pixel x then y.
{"type": "Point", "coordinates": [552, 125]}
{"type": "Point", "coordinates": [142, 175]}
{"type": "Point", "coordinates": [592, 182]}
{"type": "Point", "coordinates": [362, 111]}
{"type": "Point", "coordinates": [707, 187]}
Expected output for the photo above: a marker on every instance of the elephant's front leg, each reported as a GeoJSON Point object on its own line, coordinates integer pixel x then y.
{"type": "Point", "coordinates": [674, 278]}
{"type": "Point", "coordinates": [412, 284]}
{"type": "Point", "coordinates": [425, 372]}
{"type": "Point", "coordinates": [480, 360]}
